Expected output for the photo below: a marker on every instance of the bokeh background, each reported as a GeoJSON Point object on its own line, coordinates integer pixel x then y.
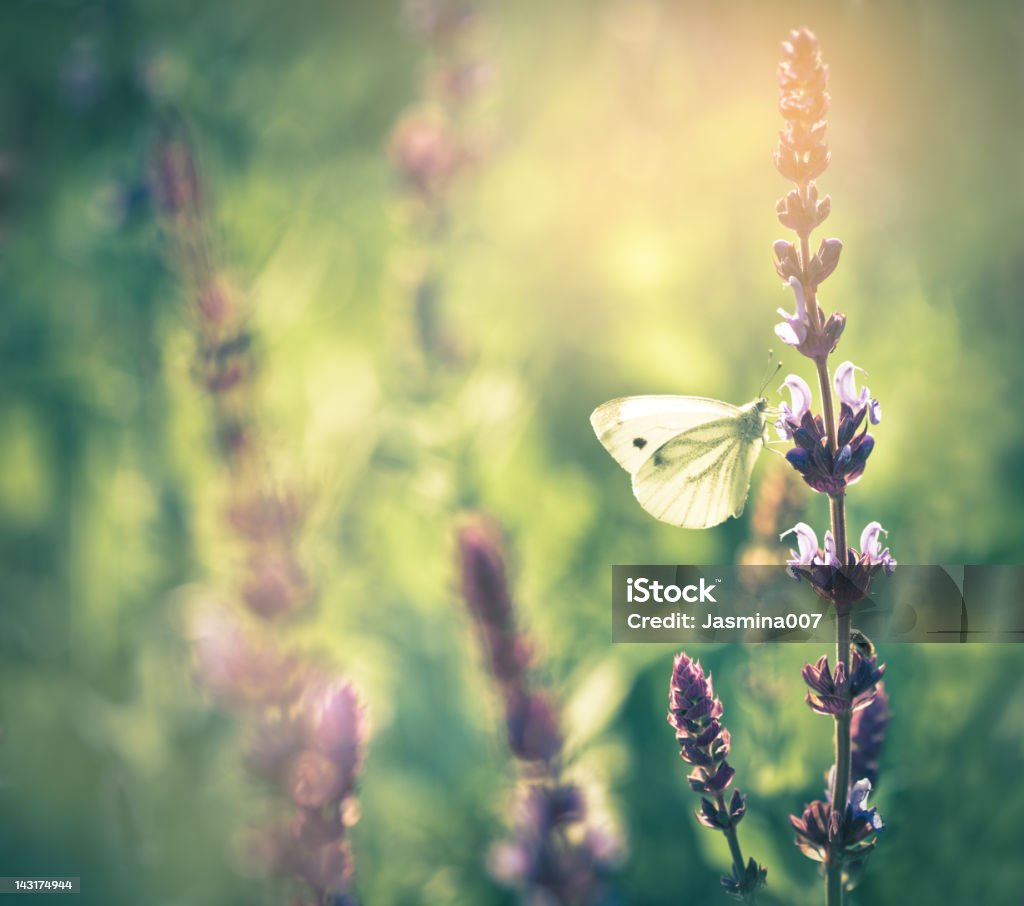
{"type": "Point", "coordinates": [613, 236]}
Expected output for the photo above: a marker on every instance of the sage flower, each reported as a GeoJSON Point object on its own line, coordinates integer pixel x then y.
{"type": "Point", "coordinates": [847, 689]}
{"type": "Point", "coordinates": [794, 327]}
{"type": "Point", "coordinates": [870, 547]}
{"type": "Point", "coordinates": [846, 387]}
{"type": "Point", "coordinates": [822, 470]}
{"type": "Point", "coordinates": [695, 714]}
{"type": "Point", "coordinates": [790, 417]}
{"type": "Point", "coordinates": [825, 836]}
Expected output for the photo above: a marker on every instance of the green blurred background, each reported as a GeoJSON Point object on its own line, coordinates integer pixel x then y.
{"type": "Point", "coordinates": [614, 239]}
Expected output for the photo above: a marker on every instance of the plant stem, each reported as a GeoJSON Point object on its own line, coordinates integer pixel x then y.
{"type": "Point", "coordinates": [734, 841]}
{"type": "Point", "coordinates": [834, 893]}
{"type": "Point", "coordinates": [834, 886]}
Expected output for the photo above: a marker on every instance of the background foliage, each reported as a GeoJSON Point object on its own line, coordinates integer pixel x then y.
{"type": "Point", "coordinates": [615, 240]}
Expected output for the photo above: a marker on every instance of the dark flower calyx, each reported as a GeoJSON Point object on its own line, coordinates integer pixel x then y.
{"type": "Point", "coordinates": [742, 885]}
{"type": "Point", "coordinates": [845, 690]}
{"type": "Point", "coordinates": [825, 836]}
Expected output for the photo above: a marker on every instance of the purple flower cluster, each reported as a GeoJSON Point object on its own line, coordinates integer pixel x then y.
{"type": "Point", "coordinates": [695, 714]}
{"type": "Point", "coordinates": [314, 753]}
{"type": "Point", "coordinates": [305, 737]}
{"type": "Point", "coordinates": [553, 853]}
{"type": "Point", "coordinates": [826, 836]}
{"type": "Point", "coordinates": [797, 329]}
{"type": "Point", "coordinates": [842, 583]}
{"type": "Point", "coordinates": [824, 471]}
{"type": "Point", "coordinates": [845, 690]}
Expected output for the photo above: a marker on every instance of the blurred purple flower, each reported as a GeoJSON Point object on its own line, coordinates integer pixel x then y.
{"type": "Point", "coordinates": [174, 175]}
{"type": "Point", "coordinates": [532, 722]}
{"type": "Point", "coordinates": [867, 730]}
{"type": "Point", "coordinates": [426, 152]}
{"type": "Point", "coordinates": [238, 665]}
{"type": "Point", "coordinates": [548, 856]}
{"type": "Point", "coordinates": [276, 584]}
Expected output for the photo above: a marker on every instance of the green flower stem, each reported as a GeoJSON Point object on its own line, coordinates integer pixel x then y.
{"type": "Point", "coordinates": [734, 843]}
{"type": "Point", "coordinates": [731, 836]}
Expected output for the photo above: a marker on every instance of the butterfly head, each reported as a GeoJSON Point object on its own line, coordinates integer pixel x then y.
{"type": "Point", "coordinates": [753, 419]}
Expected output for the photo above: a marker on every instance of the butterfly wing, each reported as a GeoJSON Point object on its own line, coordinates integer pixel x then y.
{"type": "Point", "coordinates": [701, 477]}
{"type": "Point", "coordinates": [634, 427]}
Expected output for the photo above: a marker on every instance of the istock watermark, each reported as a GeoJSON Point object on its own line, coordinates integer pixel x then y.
{"type": "Point", "coordinates": [680, 604]}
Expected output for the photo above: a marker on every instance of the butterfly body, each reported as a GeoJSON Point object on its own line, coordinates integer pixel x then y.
{"type": "Point", "coordinates": [690, 457]}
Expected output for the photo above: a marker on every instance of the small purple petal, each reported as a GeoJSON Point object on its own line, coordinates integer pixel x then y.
{"type": "Point", "coordinates": [793, 330]}
{"type": "Point", "coordinates": [801, 394]}
{"type": "Point", "coordinates": [829, 558]}
{"type": "Point", "coordinates": [869, 538]}
{"type": "Point", "coordinates": [787, 331]}
{"type": "Point", "coordinates": [846, 388]}
{"type": "Point", "coordinates": [874, 411]}
{"type": "Point", "coordinates": [806, 540]}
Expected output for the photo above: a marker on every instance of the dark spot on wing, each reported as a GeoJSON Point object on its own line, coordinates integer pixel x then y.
{"type": "Point", "coordinates": [659, 458]}
{"type": "Point", "coordinates": [639, 442]}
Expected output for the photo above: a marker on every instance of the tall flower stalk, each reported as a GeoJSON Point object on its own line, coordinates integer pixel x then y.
{"type": "Point", "coordinates": [555, 854]}
{"type": "Point", "coordinates": [433, 147]}
{"type": "Point", "coordinates": [704, 742]}
{"type": "Point", "coordinates": [306, 726]}
{"type": "Point", "coordinates": [830, 452]}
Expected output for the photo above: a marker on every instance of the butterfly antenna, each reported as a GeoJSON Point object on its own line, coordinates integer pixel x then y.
{"type": "Point", "coordinates": [771, 372]}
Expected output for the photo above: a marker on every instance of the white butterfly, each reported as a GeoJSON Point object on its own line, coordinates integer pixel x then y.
{"type": "Point", "coordinates": [690, 457]}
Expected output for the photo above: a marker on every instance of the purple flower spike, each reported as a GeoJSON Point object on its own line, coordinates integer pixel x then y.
{"type": "Point", "coordinates": [547, 857]}
{"type": "Point", "coordinates": [794, 327]}
{"type": "Point", "coordinates": [695, 714]}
